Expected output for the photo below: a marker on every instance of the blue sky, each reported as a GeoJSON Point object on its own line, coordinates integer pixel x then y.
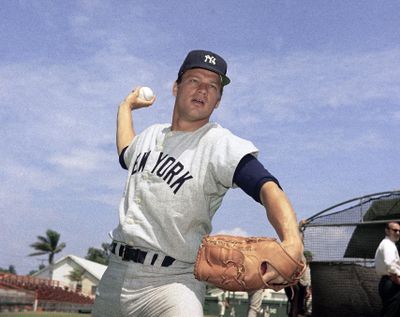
{"type": "Point", "coordinates": [315, 86]}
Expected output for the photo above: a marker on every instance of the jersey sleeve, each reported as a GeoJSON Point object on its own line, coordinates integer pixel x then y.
{"type": "Point", "coordinates": [250, 175]}
{"type": "Point", "coordinates": [126, 154]}
{"type": "Point", "coordinates": [227, 153]}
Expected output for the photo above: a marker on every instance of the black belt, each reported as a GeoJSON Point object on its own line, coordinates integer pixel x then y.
{"type": "Point", "coordinates": [128, 253]}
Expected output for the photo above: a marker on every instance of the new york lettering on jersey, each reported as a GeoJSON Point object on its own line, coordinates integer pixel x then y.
{"type": "Point", "coordinates": [166, 167]}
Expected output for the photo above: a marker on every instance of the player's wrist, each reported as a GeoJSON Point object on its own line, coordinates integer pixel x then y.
{"type": "Point", "coordinates": [294, 248]}
{"type": "Point", "coordinates": [125, 106]}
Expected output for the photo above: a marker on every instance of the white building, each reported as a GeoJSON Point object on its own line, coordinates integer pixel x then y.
{"type": "Point", "coordinates": [92, 273]}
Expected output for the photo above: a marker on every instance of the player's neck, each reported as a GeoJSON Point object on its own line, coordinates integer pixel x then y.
{"type": "Point", "coordinates": [187, 126]}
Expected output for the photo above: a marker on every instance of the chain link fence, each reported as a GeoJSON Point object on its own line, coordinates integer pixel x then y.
{"type": "Point", "coordinates": [343, 240]}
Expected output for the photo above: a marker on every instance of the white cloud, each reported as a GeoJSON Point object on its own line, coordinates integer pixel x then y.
{"type": "Point", "coordinates": [337, 141]}
{"type": "Point", "coordinates": [23, 178]}
{"type": "Point", "coordinates": [284, 88]}
{"type": "Point", "coordinates": [82, 160]}
{"type": "Point", "coordinates": [234, 232]}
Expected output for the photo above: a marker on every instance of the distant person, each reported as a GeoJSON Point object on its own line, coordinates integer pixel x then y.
{"type": "Point", "coordinates": [223, 303]}
{"type": "Point", "coordinates": [305, 288]}
{"type": "Point", "coordinates": [255, 302]}
{"type": "Point", "coordinates": [387, 265]}
{"type": "Point", "coordinates": [299, 295]}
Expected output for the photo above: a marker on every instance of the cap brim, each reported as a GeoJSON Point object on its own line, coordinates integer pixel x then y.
{"type": "Point", "coordinates": [225, 80]}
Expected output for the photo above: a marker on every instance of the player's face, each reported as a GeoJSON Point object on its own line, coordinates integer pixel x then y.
{"type": "Point", "coordinates": [197, 95]}
{"type": "Point", "coordinates": [393, 231]}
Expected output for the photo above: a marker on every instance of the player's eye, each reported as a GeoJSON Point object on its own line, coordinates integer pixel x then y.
{"type": "Point", "coordinates": [213, 87]}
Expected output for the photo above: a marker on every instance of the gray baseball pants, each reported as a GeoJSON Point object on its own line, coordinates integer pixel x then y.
{"type": "Point", "coordinates": [133, 289]}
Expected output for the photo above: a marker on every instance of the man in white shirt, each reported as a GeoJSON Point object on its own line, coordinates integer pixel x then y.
{"type": "Point", "coordinates": [387, 265]}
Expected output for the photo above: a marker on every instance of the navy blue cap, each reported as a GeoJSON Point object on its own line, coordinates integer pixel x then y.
{"type": "Point", "coordinates": [207, 60]}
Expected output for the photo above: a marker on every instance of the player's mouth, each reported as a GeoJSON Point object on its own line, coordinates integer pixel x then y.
{"type": "Point", "coordinates": [198, 101]}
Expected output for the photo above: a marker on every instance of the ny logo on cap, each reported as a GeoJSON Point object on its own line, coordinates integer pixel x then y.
{"type": "Point", "coordinates": [210, 59]}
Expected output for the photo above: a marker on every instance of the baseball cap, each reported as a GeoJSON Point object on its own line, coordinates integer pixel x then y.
{"type": "Point", "coordinates": [207, 60]}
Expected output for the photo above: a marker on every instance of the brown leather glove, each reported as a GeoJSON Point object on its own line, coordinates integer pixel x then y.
{"type": "Point", "coordinates": [238, 263]}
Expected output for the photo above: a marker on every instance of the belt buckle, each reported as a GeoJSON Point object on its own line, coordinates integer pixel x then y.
{"type": "Point", "coordinates": [124, 252]}
{"type": "Point", "coordinates": [129, 253]}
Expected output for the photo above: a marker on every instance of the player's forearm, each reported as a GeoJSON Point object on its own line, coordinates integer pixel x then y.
{"type": "Point", "coordinates": [125, 130]}
{"type": "Point", "coordinates": [280, 213]}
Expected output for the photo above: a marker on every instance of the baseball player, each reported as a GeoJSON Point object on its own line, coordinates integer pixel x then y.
{"type": "Point", "coordinates": [178, 174]}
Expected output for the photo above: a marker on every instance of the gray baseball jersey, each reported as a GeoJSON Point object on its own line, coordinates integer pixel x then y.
{"type": "Point", "coordinates": [176, 182]}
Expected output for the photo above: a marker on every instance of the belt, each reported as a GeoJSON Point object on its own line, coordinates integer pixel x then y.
{"type": "Point", "coordinates": [129, 253]}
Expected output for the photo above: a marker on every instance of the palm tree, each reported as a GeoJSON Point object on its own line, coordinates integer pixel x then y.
{"type": "Point", "coordinates": [76, 275]}
{"type": "Point", "coordinates": [48, 245]}
{"type": "Point", "coordinates": [99, 255]}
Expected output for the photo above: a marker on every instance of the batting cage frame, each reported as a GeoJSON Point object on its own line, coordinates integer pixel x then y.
{"type": "Point", "coordinates": [342, 240]}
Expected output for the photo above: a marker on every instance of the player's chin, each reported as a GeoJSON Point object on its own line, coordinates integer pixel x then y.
{"type": "Point", "coordinates": [199, 114]}
{"type": "Point", "coordinates": [198, 106]}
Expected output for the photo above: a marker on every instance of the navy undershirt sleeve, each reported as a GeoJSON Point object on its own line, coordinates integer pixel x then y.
{"type": "Point", "coordinates": [121, 159]}
{"type": "Point", "coordinates": [250, 175]}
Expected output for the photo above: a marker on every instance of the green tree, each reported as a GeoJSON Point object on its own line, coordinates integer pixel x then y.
{"type": "Point", "coordinates": [11, 269]}
{"type": "Point", "coordinates": [50, 245]}
{"type": "Point", "coordinates": [76, 275]}
{"type": "Point", "coordinates": [41, 267]}
{"type": "Point", "coordinates": [99, 255]}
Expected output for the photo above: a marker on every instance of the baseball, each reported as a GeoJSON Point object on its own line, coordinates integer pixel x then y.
{"type": "Point", "coordinates": [145, 93]}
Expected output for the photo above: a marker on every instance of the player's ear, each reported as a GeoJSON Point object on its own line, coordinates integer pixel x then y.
{"type": "Point", "coordinates": [217, 104]}
{"type": "Point", "coordinates": [175, 89]}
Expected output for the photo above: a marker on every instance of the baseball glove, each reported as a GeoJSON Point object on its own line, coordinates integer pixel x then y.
{"type": "Point", "coordinates": [238, 263]}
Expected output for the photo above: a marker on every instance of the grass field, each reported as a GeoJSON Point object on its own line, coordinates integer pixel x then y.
{"type": "Point", "coordinates": [42, 314]}
{"type": "Point", "coordinates": [49, 314]}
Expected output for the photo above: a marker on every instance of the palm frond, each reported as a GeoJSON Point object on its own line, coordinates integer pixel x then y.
{"type": "Point", "coordinates": [48, 244]}
{"type": "Point", "coordinates": [37, 253]}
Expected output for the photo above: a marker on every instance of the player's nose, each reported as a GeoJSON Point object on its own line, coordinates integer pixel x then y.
{"type": "Point", "coordinates": [202, 87]}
